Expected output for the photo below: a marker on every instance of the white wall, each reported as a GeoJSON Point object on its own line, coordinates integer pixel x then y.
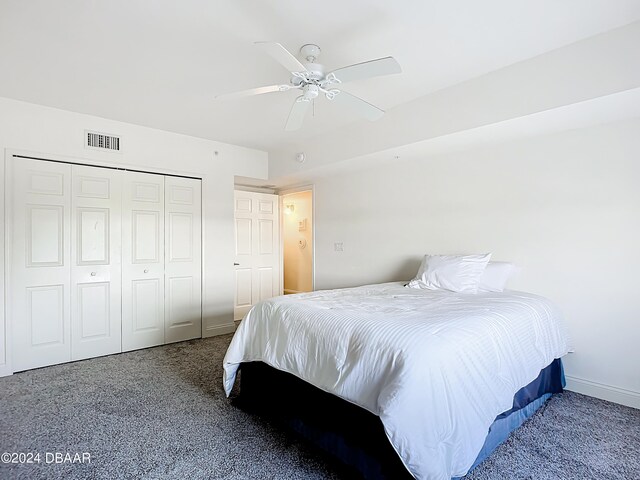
{"type": "Point", "coordinates": [564, 207]}
{"type": "Point", "coordinates": [298, 261]}
{"type": "Point", "coordinates": [44, 130]}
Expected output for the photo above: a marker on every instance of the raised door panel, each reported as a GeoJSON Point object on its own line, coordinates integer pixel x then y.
{"type": "Point", "coordinates": [266, 237]}
{"type": "Point", "coordinates": [181, 241]}
{"type": "Point", "coordinates": [266, 206]}
{"type": "Point", "coordinates": [146, 305]}
{"type": "Point", "coordinates": [143, 266]}
{"type": "Point", "coordinates": [244, 235]}
{"type": "Point", "coordinates": [92, 187]}
{"type": "Point", "coordinates": [93, 236]}
{"type": "Point", "coordinates": [243, 293]}
{"type": "Point", "coordinates": [146, 236]}
{"type": "Point", "coordinates": [182, 194]}
{"type": "Point", "coordinates": [183, 259]}
{"type": "Point", "coordinates": [96, 273]}
{"type": "Point", "coordinates": [94, 310]}
{"type": "Point", "coordinates": [43, 182]}
{"type": "Point", "coordinates": [182, 310]}
{"type": "Point", "coordinates": [44, 236]}
{"type": "Point", "coordinates": [38, 293]}
{"type": "Point", "coordinates": [244, 203]}
{"type": "Point", "coordinates": [147, 191]}
{"type": "Point", "coordinates": [45, 315]}
{"type": "Point", "coordinates": [243, 287]}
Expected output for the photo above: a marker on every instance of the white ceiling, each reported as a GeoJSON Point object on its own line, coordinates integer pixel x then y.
{"type": "Point", "coordinates": [618, 107]}
{"type": "Point", "coordinates": [160, 63]}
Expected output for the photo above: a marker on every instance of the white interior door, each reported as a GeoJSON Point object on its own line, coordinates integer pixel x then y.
{"type": "Point", "coordinates": [257, 259]}
{"type": "Point", "coordinates": [266, 274]}
{"type": "Point", "coordinates": [142, 261]}
{"type": "Point", "coordinates": [39, 290]}
{"type": "Point", "coordinates": [183, 259]}
{"type": "Point", "coordinates": [96, 238]}
{"type": "Point", "coordinates": [244, 226]}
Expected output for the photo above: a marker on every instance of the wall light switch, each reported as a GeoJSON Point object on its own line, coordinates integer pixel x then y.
{"type": "Point", "coordinates": [338, 247]}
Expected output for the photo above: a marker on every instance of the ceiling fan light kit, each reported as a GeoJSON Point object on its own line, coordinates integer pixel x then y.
{"type": "Point", "coordinates": [310, 79]}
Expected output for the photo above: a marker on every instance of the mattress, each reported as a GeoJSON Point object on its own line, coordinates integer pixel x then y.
{"type": "Point", "coordinates": [378, 346]}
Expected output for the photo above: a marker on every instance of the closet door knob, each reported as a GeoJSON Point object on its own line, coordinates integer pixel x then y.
{"type": "Point", "coordinates": [146, 270]}
{"type": "Point", "coordinates": [93, 274]}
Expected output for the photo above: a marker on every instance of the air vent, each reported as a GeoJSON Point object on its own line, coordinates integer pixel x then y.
{"type": "Point", "coordinates": [102, 141]}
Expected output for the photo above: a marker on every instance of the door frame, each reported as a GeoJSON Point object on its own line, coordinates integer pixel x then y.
{"type": "Point", "coordinates": [281, 194]}
{"type": "Point", "coordinates": [6, 173]}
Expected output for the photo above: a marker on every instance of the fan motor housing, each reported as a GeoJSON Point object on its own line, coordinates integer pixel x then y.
{"type": "Point", "coordinates": [316, 71]}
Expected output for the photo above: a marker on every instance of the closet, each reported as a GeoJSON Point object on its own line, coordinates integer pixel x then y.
{"type": "Point", "coordinates": [101, 261]}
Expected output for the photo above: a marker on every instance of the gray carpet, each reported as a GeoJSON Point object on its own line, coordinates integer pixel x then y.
{"type": "Point", "coordinates": [161, 413]}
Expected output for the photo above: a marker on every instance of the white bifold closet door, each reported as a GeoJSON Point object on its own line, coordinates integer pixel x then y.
{"type": "Point", "coordinates": [96, 288]}
{"type": "Point", "coordinates": [142, 261]}
{"type": "Point", "coordinates": [161, 250]}
{"type": "Point", "coordinates": [39, 286]}
{"type": "Point", "coordinates": [183, 259]}
{"type": "Point", "coordinates": [102, 261]}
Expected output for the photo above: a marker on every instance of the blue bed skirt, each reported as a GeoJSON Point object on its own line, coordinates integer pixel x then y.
{"type": "Point", "coordinates": [355, 436]}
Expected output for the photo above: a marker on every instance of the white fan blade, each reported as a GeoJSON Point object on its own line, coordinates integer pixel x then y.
{"type": "Point", "coordinates": [372, 68]}
{"type": "Point", "coordinates": [296, 116]}
{"type": "Point", "coordinates": [358, 106]}
{"type": "Point", "coordinates": [282, 56]}
{"type": "Point", "coordinates": [254, 91]}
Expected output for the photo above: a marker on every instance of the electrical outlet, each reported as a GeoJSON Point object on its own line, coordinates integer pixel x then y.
{"type": "Point", "coordinates": [338, 247]}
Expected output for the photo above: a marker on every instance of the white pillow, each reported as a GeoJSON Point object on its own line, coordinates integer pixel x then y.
{"type": "Point", "coordinates": [458, 273]}
{"type": "Point", "coordinates": [495, 276]}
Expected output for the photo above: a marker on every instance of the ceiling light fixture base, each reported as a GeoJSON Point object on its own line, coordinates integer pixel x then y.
{"type": "Point", "coordinates": [310, 52]}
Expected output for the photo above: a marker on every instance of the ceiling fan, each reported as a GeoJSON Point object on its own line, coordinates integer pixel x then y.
{"type": "Point", "coordinates": [310, 78]}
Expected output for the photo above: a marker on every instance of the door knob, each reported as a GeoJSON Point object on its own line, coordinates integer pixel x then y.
{"type": "Point", "coordinates": [146, 270]}
{"type": "Point", "coordinates": [236, 264]}
{"type": "Point", "coordinates": [93, 274]}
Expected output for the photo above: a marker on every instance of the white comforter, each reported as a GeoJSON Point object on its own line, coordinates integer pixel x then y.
{"type": "Point", "coordinates": [436, 367]}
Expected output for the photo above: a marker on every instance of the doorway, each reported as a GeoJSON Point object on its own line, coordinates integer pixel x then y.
{"type": "Point", "coordinates": [297, 241]}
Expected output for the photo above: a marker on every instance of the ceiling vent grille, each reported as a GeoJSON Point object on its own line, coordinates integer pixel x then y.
{"type": "Point", "coordinates": [102, 141]}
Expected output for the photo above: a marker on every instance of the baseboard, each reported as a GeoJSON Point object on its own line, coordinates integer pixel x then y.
{"type": "Point", "coordinates": [214, 330]}
{"type": "Point", "coordinates": [604, 392]}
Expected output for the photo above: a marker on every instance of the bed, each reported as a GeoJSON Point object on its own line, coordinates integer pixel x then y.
{"type": "Point", "coordinates": [436, 371]}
